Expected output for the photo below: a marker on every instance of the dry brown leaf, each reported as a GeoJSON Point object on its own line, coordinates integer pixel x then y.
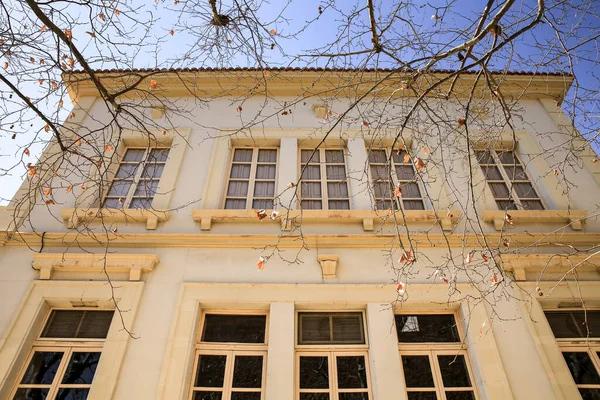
{"type": "Point", "coordinates": [273, 32]}
{"type": "Point", "coordinates": [92, 34]}
{"type": "Point", "coordinates": [461, 122]}
{"type": "Point", "coordinates": [26, 151]}
{"type": "Point", "coordinates": [400, 288]}
{"type": "Point", "coordinates": [47, 191]}
{"type": "Point", "coordinates": [108, 148]}
{"type": "Point", "coordinates": [5, 65]}
{"type": "Point", "coordinates": [47, 128]}
{"type": "Point", "coordinates": [260, 264]}
{"type": "Point", "coordinates": [419, 164]}
{"type": "Point", "coordinates": [101, 16]}
{"type": "Point", "coordinates": [69, 34]}
{"type": "Point", "coordinates": [406, 159]}
{"type": "Point", "coordinates": [152, 83]}
{"type": "Point", "coordinates": [365, 123]}
{"type": "Point", "coordinates": [44, 28]}
{"type": "Point", "coordinates": [171, 32]}
{"type": "Point", "coordinates": [50, 202]}
{"type": "Point", "coordinates": [70, 188]}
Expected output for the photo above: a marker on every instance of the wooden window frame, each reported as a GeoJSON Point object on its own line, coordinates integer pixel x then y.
{"type": "Point", "coordinates": [65, 345]}
{"type": "Point", "coordinates": [399, 202]}
{"type": "Point", "coordinates": [332, 353]}
{"type": "Point", "coordinates": [137, 178]}
{"type": "Point", "coordinates": [512, 195]}
{"type": "Point", "coordinates": [252, 178]}
{"type": "Point", "coordinates": [323, 181]}
{"type": "Point", "coordinates": [434, 349]}
{"type": "Point", "coordinates": [230, 350]}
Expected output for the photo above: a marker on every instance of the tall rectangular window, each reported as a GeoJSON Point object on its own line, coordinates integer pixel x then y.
{"type": "Point", "coordinates": [324, 184]}
{"type": "Point", "coordinates": [136, 181]}
{"type": "Point", "coordinates": [387, 177]}
{"type": "Point", "coordinates": [434, 362]}
{"type": "Point", "coordinates": [251, 182]}
{"type": "Point", "coordinates": [332, 358]}
{"type": "Point", "coordinates": [64, 358]}
{"type": "Point", "coordinates": [230, 358]}
{"type": "Point", "coordinates": [508, 181]}
{"type": "Point", "coordinates": [578, 336]}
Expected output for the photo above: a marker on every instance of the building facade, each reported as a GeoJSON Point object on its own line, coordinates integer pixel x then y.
{"type": "Point", "coordinates": [279, 261]}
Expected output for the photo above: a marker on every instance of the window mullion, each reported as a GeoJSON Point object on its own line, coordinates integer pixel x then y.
{"type": "Point", "coordinates": [60, 371]}
{"type": "Point", "coordinates": [509, 182]}
{"type": "Point", "coordinates": [333, 382]}
{"type": "Point", "coordinates": [323, 167]}
{"type": "Point", "coordinates": [252, 179]}
{"type": "Point", "coordinates": [228, 379]}
{"type": "Point", "coordinates": [136, 178]}
{"type": "Point", "coordinates": [437, 375]}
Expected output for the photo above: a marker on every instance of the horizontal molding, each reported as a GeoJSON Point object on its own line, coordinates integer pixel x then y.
{"type": "Point", "coordinates": [525, 265]}
{"type": "Point", "coordinates": [314, 241]}
{"type": "Point", "coordinates": [573, 217]}
{"type": "Point", "coordinates": [75, 216]}
{"type": "Point", "coordinates": [134, 264]}
{"type": "Point", "coordinates": [367, 218]}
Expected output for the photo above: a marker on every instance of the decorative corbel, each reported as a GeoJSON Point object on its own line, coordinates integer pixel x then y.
{"type": "Point", "coordinates": [329, 264]}
{"type": "Point", "coordinates": [321, 110]}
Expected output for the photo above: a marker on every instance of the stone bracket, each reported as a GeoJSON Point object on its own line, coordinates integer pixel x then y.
{"type": "Point", "coordinates": [329, 263]}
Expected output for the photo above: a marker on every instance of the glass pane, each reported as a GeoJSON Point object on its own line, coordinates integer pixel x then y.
{"type": "Point", "coordinates": [247, 372]}
{"type": "Point", "coordinates": [153, 171]}
{"type": "Point", "coordinates": [383, 190]}
{"type": "Point", "coordinates": [413, 205]}
{"type": "Point", "coordinates": [311, 189]}
{"type": "Point", "coordinates": [265, 172]}
{"type": "Point", "coordinates": [211, 371]}
{"type": "Point", "coordinates": [354, 396]}
{"type": "Point", "coordinates": [237, 188]}
{"type": "Point", "coordinates": [234, 328]}
{"type": "Point", "coordinates": [314, 396]}
{"type": "Point", "coordinates": [525, 190]}
{"type": "Point", "coordinates": [235, 204]}
{"type": "Point", "coordinates": [245, 396]}
{"type": "Point", "coordinates": [242, 155]}
{"type": "Point", "coordinates": [384, 205]}
{"type": "Point", "coordinates": [304, 156]}
{"type": "Point", "coordinates": [506, 205]}
{"type": "Point", "coordinates": [142, 203]}
{"type": "Point", "coordinates": [507, 157]}
{"type": "Point", "coordinates": [515, 173]}
{"type": "Point", "coordinates": [264, 189]}
{"type": "Point", "coordinates": [42, 368]}
{"type": "Point", "coordinates": [338, 204]}
{"type": "Point", "coordinates": [311, 204]}
{"type": "Point", "coordinates": [422, 396]}
{"type": "Point", "coordinates": [590, 394]}
{"type": "Point", "coordinates": [348, 329]}
{"type": "Point", "coordinates": [351, 372]}
{"type": "Point", "coordinates": [127, 171]}
{"type": "Point", "coordinates": [81, 368]}
{"type": "Point", "coordinates": [484, 157]}
{"type": "Point", "coordinates": [532, 205]}
{"type": "Point", "coordinates": [240, 171]}
{"type": "Point", "coordinates": [262, 204]}
{"type": "Point", "coordinates": [267, 155]}
{"type": "Point", "coordinates": [492, 173]}
{"type": "Point", "coordinates": [466, 395]}
{"type": "Point", "coordinates": [380, 172]}
{"type": "Point", "coordinates": [72, 394]}
{"type": "Point", "coordinates": [337, 190]}
{"type": "Point", "coordinates": [377, 156]}
{"type": "Point", "coordinates": [405, 172]}
{"type": "Point", "coordinates": [582, 368]}
{"type": "Point", "coordinates": [336, 172]}
{"type": "Point", "coordinates": [417, 371]}
{"type": "Point", "coordinates": [146, 188]}
{"type": "Point", "coordinates": [312, 172]}
{"type": "Point", "coordinates": [78, 324]}
{"type": "Point", "coordinates": [159, 155]}
{"type": "Point", "coordinates": [314, 373]}
{"type": "Point", "coordinates": [314, 329]}
{"type": "Point", "coordinates": [499, 189]}
{"type": "Point", "coordinates": [207, 396]}
{"type": "Point", "coordinates": [31, 394]}
{"type": "Point", "coordinates": [134, 155]}
{"type": "Point", "coordinates": [399, 157]}
{"type": "Point", "coordinates": [119, 188]}
{"type": "Point", "coordinates": [112, 203]}
{"type": "Point", "coordinates": [426, 328]}
{"type": "Point", "coordinates": [410, 190]}
{"type": "Point", "coordinates": [334, 156]}
{"type": "Point", "coordinates": [454, 371]}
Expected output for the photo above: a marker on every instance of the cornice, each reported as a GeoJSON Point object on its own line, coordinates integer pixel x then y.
{"type": "Point", "coordinates": [289, 241]}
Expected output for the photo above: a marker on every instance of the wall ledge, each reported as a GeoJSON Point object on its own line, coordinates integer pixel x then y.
{"type": "Point", "coordinates": [75, 216]}
{"type": "Point", "coordinates": [522, 265]}
{"type": "Point", "coordinates": [575, 218]}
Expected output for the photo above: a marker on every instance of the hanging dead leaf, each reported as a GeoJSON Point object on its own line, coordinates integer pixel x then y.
{"type": "Point", "coordinates": [13, 136]}
{"type": "Point", "coordinates": [506, 242]}
{"type": "Point", "coordinates": [50, 202]}
{"type": "Point", "coordinates": [273, 32]}
{"type": "Point", "coordinates": [267, 72]}
{"type": "Point", "coordinates": [261, 214]}
{"type": "Point", "coordinates": [365, 123]}
{"type": "Point", "coordinates": [121, 201]}
{"type": "Point", "coordinates": [47, 191]}
{"type": "Point", "coordinates": [108, 148]}
{"type": "Point", "coordinates": [69, 34]}
{"type": "Point", "coordinates": [5, 65]}
{"type": "Point", "coordinates": [493, 280]}
{"type": "Point", "coordinates": [152, 83]}
{"type": "Point", "coordinates": [485, 257]}
{"type": "Point", "coordinates": [101, 16]}
{"type": "Point", "coordinates": [164, 132]}
{"type": "Point", "coordinates": [508, 218]}
{"type": "Point", "coordinates": [44, 28]}
{"type": "Point", "coordinates": [419, 164]}
{"type": "Point", "coordinates": [555, 172]}
{"type": "Point", "coordinates": [117, 12]}
{"type": "Point", "coordinates": [461, 122]}
{"type": "Point", "coordinates": [69, 188]}
{"type": "Point", "coordinates": [274, 215]}
{"type": "Point", "coordinates": [238, 109]}
{"type": "Point", "coordinates": [496, 30]}
{"type": "Point", "coordinates": [83, 186]}
{"type": "Point", "coordinates": [47, 128]}
{"type": "Point", "coordinates": [406, 159]}
{"type": "Point", "coordinates": [71, 62]}
{"type": "Point", "coordinates": [54, 84]}
{"type": "Point", "coordinates": [42, 62]}
{"type": "Point", "coordinates": [41, 81]}
{"type": "Point", "coordinates": [32, 59]}
{"type": "Point", "coordinates": [481, 328]}
{"type": "Point", "coordinates": [60, 103]}
{"type": "Point", "coordinates": [595, 161]}
{"type": "Point", "coordinates": [401, 288]}
{"type": "Point", "coordinates": [425, 150]}
{"type": "Point", "coordinates": [260, 264]}
{"type": "Point", "coordinates": [397, 192]}
{"type": "Point", "coordinates": [469, 258]}
{"type": "Point", "coordinates": [284, 113]}
{"type": "Point", "coordinates": [26, 151]}
{"type": "Point", "coordinates": [406, 257]}
{"type": "Point", "coordinates": [291, 185]}
{"type": "Point", "coordinates": [171, 32]}
{"type": "Point", "coordinates": [539, 291]}
{"type": "Point", "coordinates": [92, 34]}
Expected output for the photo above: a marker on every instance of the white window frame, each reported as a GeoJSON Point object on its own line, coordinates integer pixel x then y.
{"type": "Point", "coordinates": [137, 178]}
{"type": "Point", "coordinates": [507, 181]}
{"type": "Point", "coordinates": [434, 349]}
{"type": "Point", "coordinates": [66, 345]}
{"type": "Point", "coordinates": [395, 180]}
{"type": "Point", "coordinates": [331, 351]}
{"type": "Point", "coordinates": [252, 178]}
{"type": "Point", "coordinates": [230, 350]}
{"type": "Point", "coordinates": [323, 181]}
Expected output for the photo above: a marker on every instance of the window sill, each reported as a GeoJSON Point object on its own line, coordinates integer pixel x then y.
{"type": "Point", "coordinates": [573, 217]}
{"type": "Point", "coordinates": [446, 219]}
{"type": "Point", "coordinates": [134, 264]}
{"type": "Point", "coordinates": [522, 264]}
{"type": "Point", "coordinates": [74, 216]}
